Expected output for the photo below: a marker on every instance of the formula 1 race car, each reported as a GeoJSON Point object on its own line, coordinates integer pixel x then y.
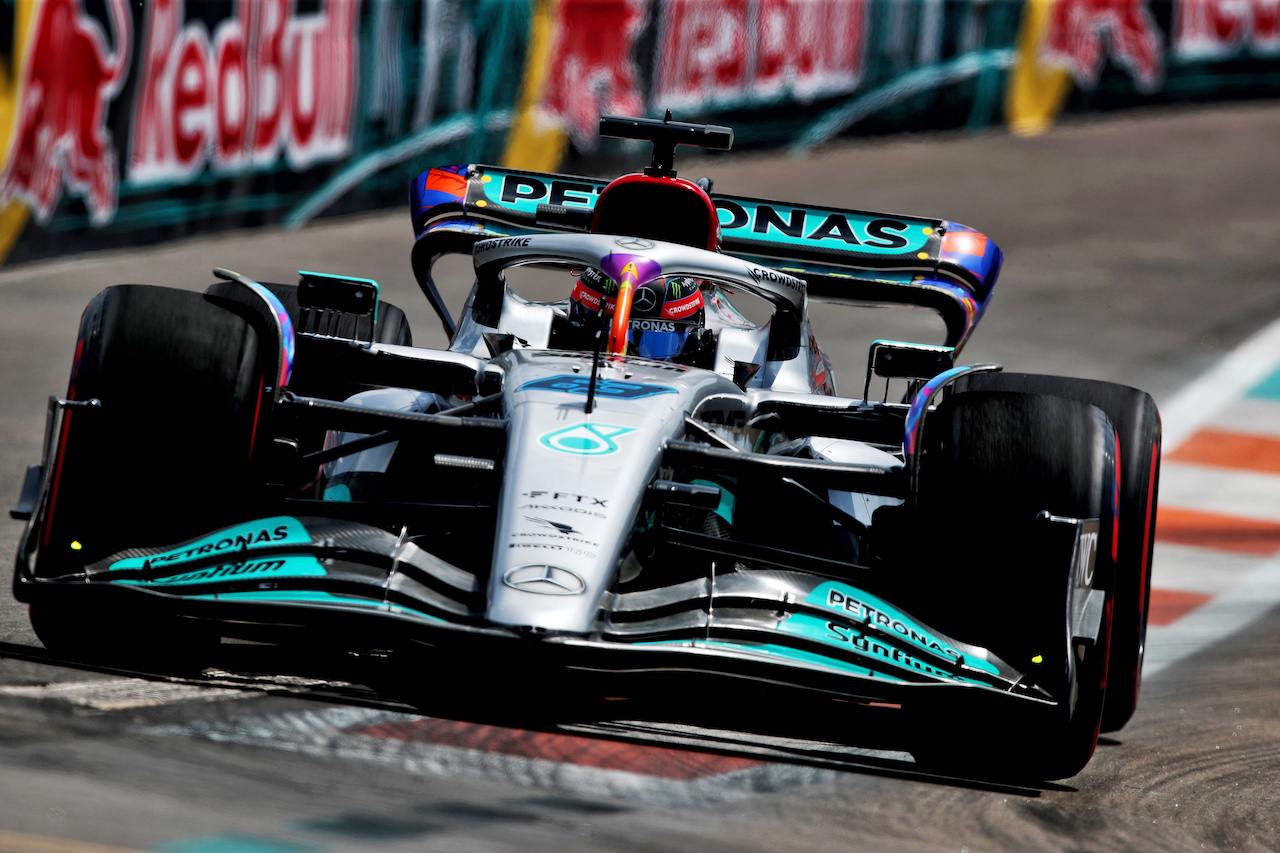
{"type": "Point", "coordinates": [632, 483]}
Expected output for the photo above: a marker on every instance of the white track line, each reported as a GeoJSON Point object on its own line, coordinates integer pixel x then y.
{"type": "Point", "coordinates": [1234, 610]}
{"type": "Point", "coordinates": [1202, 570]}
{"type": "Point", "coordinates": [1241, 369]}
{"type": "Point", "coordinates": [1250, 417]}
{"type": "Point", "coordinates": [117, 694]}
{"type": "Point", "coordinates": [1226, 491]}
{"type": "Point", "coordinates": [121, 693]}
{"type": "Point", "coordinates": [1216, 398]}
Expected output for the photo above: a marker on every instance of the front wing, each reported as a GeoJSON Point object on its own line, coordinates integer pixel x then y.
{"type": "Point", "coordinates": [280, 577]}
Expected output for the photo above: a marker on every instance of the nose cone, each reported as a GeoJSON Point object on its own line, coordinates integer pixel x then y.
{"type": "Point", "coordinates": [570, 498]}
{"type": "Point", "coordinates": [573, 485]}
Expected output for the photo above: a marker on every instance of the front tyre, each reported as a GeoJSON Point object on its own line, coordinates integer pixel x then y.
{"type": "Point", "coordinates": [168, 454]}
{"type": "Point", "coordinates": [992, 464]}
{"type": "Point", "coordinates": [1137, 423]}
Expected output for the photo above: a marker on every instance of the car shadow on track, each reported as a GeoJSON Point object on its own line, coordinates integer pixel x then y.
{"type": "Point", "coordinates": [742, 721]}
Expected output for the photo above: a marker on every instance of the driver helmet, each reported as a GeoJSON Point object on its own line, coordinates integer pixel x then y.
{"type": "Point", "coordinates": [667, 314]}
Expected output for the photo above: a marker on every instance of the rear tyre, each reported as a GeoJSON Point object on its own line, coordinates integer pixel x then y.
{"type": "Point", "coordinates": [167, 456]}
{"type": "Point", "coordinates": [1137, 423]}
{"type": "Point", "coordinates": [992, 463]}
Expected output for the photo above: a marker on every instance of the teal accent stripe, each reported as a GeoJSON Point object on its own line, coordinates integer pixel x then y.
{"type": "Point", "coordinates": [170, 212]}
{"type": "Point", "coordinates": [336, 277]}
{"type": "Point", "coordinates": [311, 596]}
{"type": "Point", "coordinates": [232, 542]}
{"type": "Point", "coordinates": [772, 650]}
{"type": "Point", "coordinates": [304, 596]}
{"type": "Point", "coordinates": [727, 500]}
{"type": "Point", "coordinates": [337, 493]}
{"type": "Point", "coordinates": [800, 655]}
{"type": "Point", "coordinates": [432, 136]}
{"type": "Point", "coordinates": [1267, 389]}
{"type": "Point", "coordinates": [233, 844]}
{"type": "Point", "coordinates": [836, 121]}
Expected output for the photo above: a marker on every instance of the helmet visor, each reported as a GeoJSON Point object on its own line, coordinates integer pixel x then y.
{"type": "Point", "coordinates": [657, 344]}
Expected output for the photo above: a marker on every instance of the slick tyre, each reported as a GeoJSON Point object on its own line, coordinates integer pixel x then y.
{"type": "Point", "coordinates": [168, 452]}
{"type": "Point", "coordinates": [1137, 423]}
{"type": "Point", "coordinates": [993, 463]}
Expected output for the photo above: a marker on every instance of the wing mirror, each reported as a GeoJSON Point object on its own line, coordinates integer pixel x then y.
{"type": "Point", "coordinates": [327, 300]}
{"type": "Point", "coordinates": [901, 360]}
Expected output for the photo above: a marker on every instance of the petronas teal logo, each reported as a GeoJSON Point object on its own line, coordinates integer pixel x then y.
{"type": "Point", "coordinates": [585, 439]}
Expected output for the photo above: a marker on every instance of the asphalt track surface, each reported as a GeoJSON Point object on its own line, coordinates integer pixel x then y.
{"type": "Point", "coordinates": [1140, 250]}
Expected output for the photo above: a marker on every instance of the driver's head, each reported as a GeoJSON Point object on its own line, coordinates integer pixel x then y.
{"type": "Point", "coordinates": [667, 314]}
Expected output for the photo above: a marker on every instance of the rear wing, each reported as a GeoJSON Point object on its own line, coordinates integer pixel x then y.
{"type": "Point", "coordinates": [847, 255]}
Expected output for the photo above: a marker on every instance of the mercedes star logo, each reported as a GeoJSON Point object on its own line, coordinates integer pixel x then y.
{"type": "Point", "coordinates": [634, 243]}
{"type": "Point", "coordinates": [544, 580]}
{"type": "Point", "coordinates": [645, 300]}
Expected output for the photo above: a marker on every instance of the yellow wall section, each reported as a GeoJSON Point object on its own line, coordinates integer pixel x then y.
{"type": "Point", "coordinates": [1036, 93]}
{"type": "Point", "coordinates": [13, 214]}
{"type": "Point", "coordinates": [531, 144]}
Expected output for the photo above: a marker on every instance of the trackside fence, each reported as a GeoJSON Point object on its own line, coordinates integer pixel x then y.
{"type": "Point", "coordinates": [130, 122]}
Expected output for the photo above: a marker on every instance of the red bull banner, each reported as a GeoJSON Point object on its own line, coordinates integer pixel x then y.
{"type": "Point", "coordinates": [265, 84]}
{"type": "Point", "coordinates": [72, 71]}
{"type": "Point", "coordinates": [133, 120]}
{"type": "Point", "coordinates": [130, 122]}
